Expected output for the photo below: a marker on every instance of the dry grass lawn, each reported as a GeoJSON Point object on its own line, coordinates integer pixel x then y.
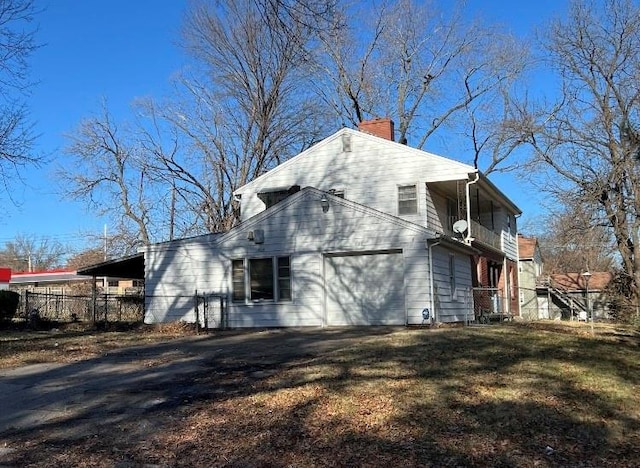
{"type": "Point", "coordinates": [514, 395]}
{"type": "Point", "coordinates": [77, 342]}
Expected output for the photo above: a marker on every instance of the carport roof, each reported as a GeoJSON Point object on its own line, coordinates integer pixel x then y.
{"type": "Point", "coordinates": [131, 267]}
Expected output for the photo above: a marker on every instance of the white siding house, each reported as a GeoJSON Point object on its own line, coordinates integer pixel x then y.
{"type": "Point", "coordinates": [365, 168]}
{"type": "Point", "coordinates": [348, 265]}
{"type": "Point", "coordinates": [356, 230]}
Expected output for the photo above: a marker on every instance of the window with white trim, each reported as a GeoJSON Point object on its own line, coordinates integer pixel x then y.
{"type": "Point", "coordinates": [407, 199]}
{"type": "Point", "coordinates": [284, 278]}
{"type": "Point", "coordinates": [237, 279]}
{"type": "Point", "coordinates": [261, 279]}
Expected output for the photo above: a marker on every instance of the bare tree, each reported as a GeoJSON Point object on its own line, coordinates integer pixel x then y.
{"type": "Point", "coordinates": [587, 141]}
{"type": "Point", "coordinates": [252, 106]}
{"type": "Point", "coordinates": [17, 42]}
{"type": "Point", "coordinates": [251, 100]}
{"type": "Point", "coordinates": [29, 253]}
{"type": "Point", "coordinates": [429, 69]}
{"type": "Point", "coordinates": [106, 172]}
{"type": "Point", "coordinates": [242, 108]}
{"type": "Point", "coordinates": [85, 258]}
{"type": "Point", "coordinates": [569, 244]}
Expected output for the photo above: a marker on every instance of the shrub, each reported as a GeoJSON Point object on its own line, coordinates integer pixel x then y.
{"type": "Point", "coordinates": [8, 304]}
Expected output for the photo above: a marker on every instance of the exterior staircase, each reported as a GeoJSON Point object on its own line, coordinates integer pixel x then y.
{"type": "Point", "coordinates": [567, 300]}
{"type": "Point", "coordinates": [578, 308]}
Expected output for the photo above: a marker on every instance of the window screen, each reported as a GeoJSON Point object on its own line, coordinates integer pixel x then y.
{"type": "Point", "coordinates": [407, 200]}
{"type": "Point", "coordinates": [237, 267]}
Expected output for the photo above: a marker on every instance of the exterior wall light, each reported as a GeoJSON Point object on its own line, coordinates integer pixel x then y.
{"type": "Point", "coordinates": [324, 203]}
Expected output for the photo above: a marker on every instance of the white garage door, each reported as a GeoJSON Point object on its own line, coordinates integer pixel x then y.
{"type": "Point", "coordinates": [365, 289]}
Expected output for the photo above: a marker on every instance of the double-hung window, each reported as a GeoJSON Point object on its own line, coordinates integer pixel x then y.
{"type": "Point", "coordinates": [237, 278]}
{"type": "Point", "coordinates": [261, 279]}
{"type": "Point", "coordinates": [407, 199]}
{"type": "Point", "coordinates": [284, 278]}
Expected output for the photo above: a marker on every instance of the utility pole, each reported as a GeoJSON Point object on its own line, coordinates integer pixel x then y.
{"type": "Point", "coordinates": [172, 212]}
{"type": "Point", "coordinates": [104, 278]}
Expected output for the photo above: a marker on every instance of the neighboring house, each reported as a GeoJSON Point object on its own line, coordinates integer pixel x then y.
{"type": "Point", "coordinates": [357, 229]}
{"type": "Point", "coordinates": [58, 281]}
{"type": "Point", "coordinates": [530, 264]}
{"type": "Point", "coordinates": [564, 296]}
{"type": "Point", "coordinates": [64, 294]}
{"type": "Point", "coordinates": [122, 287]}
{"type": "Point", "coordinates": [69, 282]}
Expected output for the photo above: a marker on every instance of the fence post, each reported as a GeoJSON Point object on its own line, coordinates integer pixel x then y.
{"type": "Point", "coordinates": [196, 312]}
{"type": "Point", "coordinates": [106, 308]}
{"type": "Point", "coordinates": [26, 304]}
{"type": "Point", "coordinates": [94, 301]}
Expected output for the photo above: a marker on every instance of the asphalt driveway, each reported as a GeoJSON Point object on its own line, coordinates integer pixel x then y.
{"type": "Point", "coordinates": [72, 399]}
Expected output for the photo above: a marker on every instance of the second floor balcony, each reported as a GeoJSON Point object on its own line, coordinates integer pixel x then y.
{"type": "Point", "coordinates": [479, 233]}
{"type": "Point", "coordinates": [485, 235]}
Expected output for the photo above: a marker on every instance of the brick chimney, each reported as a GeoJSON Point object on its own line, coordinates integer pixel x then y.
{"type": "Point", "coordinates": [382, 128]}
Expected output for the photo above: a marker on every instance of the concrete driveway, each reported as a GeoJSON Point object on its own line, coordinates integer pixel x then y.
{"type": "Point", "coordinates": [75, 397]}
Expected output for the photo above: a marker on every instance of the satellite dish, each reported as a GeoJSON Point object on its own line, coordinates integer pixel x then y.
{"type": "Point", "coordinates": [460, 226]}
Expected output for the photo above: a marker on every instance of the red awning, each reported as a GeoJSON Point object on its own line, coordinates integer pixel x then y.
{"type": "Point", "coordinates": [5, 275]}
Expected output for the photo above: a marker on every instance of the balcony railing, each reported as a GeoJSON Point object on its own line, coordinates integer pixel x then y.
{"type": "Point", "coordinates": [485, 235]}
{"type": "Point", "coordinates": [479, 232]}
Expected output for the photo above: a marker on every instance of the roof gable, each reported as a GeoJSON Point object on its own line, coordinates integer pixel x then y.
{"type": "Point", "coordinates": [298, 197]}
{"type": "Point", "coordinates": [311, 192]}
{"type": "Point", "coordinates": [457, 170]}
{"type": "Point", "coordinates": [527, 247]}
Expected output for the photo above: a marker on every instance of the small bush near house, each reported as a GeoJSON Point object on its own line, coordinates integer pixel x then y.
{"type": "Point", "coordinates": [8, 305]}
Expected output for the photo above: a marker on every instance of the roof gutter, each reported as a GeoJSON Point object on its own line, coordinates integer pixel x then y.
{"type": "Point", "coordinates": [430, 246]}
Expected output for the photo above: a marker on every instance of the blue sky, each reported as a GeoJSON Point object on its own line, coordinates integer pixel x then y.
{"type": "Point", "coordinates": [92, 50]}
{"type": "Point", "coordinates": [119, 50]}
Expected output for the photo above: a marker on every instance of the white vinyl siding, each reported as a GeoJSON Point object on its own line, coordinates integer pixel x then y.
{"type": "Point", "coordinates": [359, 173]}
{"type": "Point", "coordinates": [509, 237]}
{"type": "Point", "coordinates": [300, 230]}
{"type": "Point", "coordinates": [448, 309]}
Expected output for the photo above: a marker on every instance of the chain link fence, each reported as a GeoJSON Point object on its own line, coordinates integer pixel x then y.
{"type": "Point", "coordinates": [490, 304]}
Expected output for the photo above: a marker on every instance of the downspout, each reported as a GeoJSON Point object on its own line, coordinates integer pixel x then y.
{"type": "Point", "coordinates": [519, 277]}
{"type": "Point", "coordinates": [432, 299]}
{"type": "Point", "coordinates": [507, 282]}
{"type": "Point", "coordinates": [468, 238]}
